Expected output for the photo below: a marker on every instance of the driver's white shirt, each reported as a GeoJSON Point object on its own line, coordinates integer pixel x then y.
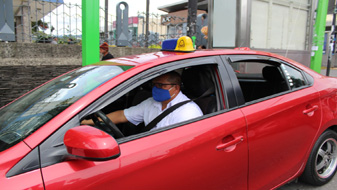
{"type": "Point", "coordinates": [149, 109]}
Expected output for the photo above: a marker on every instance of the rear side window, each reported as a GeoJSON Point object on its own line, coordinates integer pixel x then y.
{"type": "Point", "coordinates": [248, 68]}
{"type": "Point", "coordinates": [260, 79]}
{"type": "Point", "coordinates": [294, 77]}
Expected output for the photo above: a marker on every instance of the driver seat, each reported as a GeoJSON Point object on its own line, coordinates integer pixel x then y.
{"type": "Point", "coordinates": [196, 81]}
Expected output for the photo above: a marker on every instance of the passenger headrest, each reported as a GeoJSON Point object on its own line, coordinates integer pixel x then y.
{"type": "Point", "coordinates": [272, 73]}
{"type": "Point", "coordinates": [196, 81]}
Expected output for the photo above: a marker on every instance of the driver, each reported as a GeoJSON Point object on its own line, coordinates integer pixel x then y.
{"type": "Point", "coordinates": [165, 93]}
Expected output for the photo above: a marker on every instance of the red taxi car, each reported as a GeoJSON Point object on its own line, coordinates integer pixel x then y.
{"type": "Point", "coordinates": [266, 120]}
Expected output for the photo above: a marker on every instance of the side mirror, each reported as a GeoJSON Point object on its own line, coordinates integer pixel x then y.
{"type": "Point", "coordinates": [91, 143]}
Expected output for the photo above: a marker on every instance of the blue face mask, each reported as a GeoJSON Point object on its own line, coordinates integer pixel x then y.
{"type": "Point", "coordinates": [160, 95]}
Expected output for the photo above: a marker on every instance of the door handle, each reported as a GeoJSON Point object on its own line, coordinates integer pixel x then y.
{"type": "Point", "coordinates": [229, 145]}
{"type": "Point", "coordinates": [310, 110]}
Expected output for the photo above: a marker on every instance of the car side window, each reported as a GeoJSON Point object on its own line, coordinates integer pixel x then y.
{"type": "Point", "coordinates": [199, 83]}
{"type": "Point", "coordinates": [294, 77]}
{"type": "Point", "coordinates": [259, 79]}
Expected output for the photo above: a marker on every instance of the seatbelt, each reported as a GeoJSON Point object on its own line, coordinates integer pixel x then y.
{"type": "Point", "coordinates": [169, 110]}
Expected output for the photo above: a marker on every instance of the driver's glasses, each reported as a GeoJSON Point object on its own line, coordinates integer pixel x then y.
{"type": "Point", "coordinates": [162, 85]}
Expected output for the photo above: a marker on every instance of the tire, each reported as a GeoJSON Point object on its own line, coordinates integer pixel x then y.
{"type": "Point", "coordinates": [322, 162]}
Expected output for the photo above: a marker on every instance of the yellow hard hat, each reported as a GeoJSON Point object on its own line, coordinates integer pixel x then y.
{"type": "Point", "coordinates": [184, 44]}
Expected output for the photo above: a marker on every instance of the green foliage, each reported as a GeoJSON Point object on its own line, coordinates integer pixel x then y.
{"type": "Point", "coordinates": [66, 40]}
{"type": "Point", "coordinates": [41, 36]}
{"type": "Point", "coordinates": [154, 46]}
{"type": "Point", "coordinates": [39, 23]}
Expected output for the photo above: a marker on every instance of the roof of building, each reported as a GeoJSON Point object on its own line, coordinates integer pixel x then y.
{"type": "Point", "coordinates": [182, 5]}
{"type": "Point", "coordinates": [44, 7]}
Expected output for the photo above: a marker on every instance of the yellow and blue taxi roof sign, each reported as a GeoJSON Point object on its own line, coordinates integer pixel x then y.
{"type": "Point", "coordinates": [182, 44]}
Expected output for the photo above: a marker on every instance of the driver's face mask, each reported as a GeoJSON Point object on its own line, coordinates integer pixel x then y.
{"type": "Point", "coordinates": [161, 95]}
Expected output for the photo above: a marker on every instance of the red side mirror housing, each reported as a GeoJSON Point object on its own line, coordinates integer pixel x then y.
{"type": "Point", "coordinates": [91, 143]}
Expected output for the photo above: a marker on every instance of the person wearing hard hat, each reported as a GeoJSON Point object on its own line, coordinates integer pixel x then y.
{"type": "Point", "coordinates": [104, 50]}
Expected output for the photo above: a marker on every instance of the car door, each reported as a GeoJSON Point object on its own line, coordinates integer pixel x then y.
{"type": "Point", "coordinates": [281, 124]}
{"type": "Point", "coordinates": [209, 152]}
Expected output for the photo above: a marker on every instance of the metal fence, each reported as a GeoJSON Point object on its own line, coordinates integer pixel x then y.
{"type": "Point", "coordinates": [43, 22]}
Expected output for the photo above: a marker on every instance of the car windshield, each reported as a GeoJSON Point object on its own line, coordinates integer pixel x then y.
{"type": "Point", "coordinates": [33, 110]}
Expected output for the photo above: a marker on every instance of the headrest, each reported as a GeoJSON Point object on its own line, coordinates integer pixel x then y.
{"type": "Point", "coordinates": [196, 81]}
{"type": "Point", "coordinates": [272, 73]}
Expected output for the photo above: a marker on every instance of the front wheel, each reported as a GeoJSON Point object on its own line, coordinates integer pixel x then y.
{"type": "Point", "coordinates": [322, 162]}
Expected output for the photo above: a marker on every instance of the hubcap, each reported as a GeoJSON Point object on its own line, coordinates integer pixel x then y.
{"type": "Point", "coordinates": [326, 158]}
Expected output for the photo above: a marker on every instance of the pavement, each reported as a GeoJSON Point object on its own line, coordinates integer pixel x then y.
{"type": "Point", "coordinates": [332, 185]}
{"type": "Point", "coordinates": [297, 185]}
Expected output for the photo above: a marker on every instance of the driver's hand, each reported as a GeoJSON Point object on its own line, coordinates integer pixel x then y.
{"type": "Point", "coordinates": [87, 122]}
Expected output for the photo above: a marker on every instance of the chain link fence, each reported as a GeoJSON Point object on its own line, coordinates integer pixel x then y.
{"type": "Point", "coordinates": [57, 22]}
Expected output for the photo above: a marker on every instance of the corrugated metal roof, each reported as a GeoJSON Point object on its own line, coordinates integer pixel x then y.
{"type": "Point", "coordinates": [182, 5]}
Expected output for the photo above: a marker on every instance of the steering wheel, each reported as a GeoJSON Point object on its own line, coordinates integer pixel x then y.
{"type": "Point", "coordinates": [109, 125]}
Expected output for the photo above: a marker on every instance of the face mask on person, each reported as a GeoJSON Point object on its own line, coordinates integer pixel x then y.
{"type": "Point", "coordinates": [161, 95]}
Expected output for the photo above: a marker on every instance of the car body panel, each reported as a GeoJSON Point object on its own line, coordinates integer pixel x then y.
{"type": "Point", "coordinates": [277, 138]}
{"type": "Point", "coordinates": [326, 86]}
{"type": "Point", "coordinates": [29, 180]}
{"type": "Point", "coordinates": [152, 161]}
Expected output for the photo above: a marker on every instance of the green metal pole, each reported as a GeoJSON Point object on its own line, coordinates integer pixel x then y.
{"type": "Point", "coordinates": [318, 38]}
{"type": "Point", "coordinates": [90, 32]}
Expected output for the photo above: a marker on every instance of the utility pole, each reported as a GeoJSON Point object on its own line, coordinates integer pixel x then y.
{"type": "Point", "coordinates": [192, 19]}
{"type": "Point", "coordinates": [90, 32]}
{"type": "Point", "coordinates": [147, 24]}
{"type": "Point", "coordinates": [332, 40]}
{"type": "Point", "coordinates": [106, 23]}
{"type": "Point", "coordinates": [318, 36]}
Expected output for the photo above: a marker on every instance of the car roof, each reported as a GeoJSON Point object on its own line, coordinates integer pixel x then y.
{"type": "Point", "coordinates": [167, 56]}
{"type": "Point", "coordinates": [157, 58]}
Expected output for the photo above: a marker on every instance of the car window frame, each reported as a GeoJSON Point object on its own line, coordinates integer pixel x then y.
{"type": "Point", "coordinates": [149, 74]}
{"type": "Point", "coordinates": [142, 76]}
{"type": "Point", "coordinates": [227, 59]}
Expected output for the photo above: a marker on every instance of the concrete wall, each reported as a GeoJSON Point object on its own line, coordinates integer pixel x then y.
{"type": "Point", "coordinates": [61, 54]}
{"type": "Point", "coordinates": [17, 80]}
{"type": "Point", "coordinates": [302, 57]}
{"type": "Point", "coordinates": [24, 66]}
